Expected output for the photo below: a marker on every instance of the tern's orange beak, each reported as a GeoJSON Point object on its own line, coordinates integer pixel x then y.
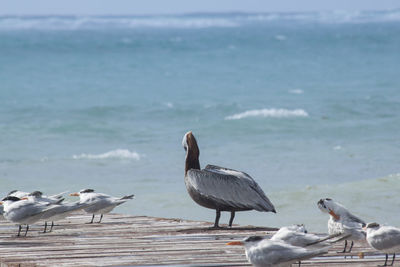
{"type": "Point", "coordinates": [74, 194]}
{"type": "Point", "coordinates": [235, 243]}
{"type": "Point", "coordinates": [334, 215]}
{"type": "Point", "coordinates": [1, 202]}
{"type": "Point", "coordinates": [24, 198]}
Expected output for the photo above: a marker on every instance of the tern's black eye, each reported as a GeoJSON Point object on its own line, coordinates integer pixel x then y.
{"type": "Point", "coordinates": [87, 191]}
{"type": "Point", "coordinates": [253, 238]}
{"type": "Point", "coordinates": [11, 198]}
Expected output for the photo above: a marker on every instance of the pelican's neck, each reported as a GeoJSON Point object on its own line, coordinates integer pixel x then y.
{"type": "Point", "coordinates": [192, 159]}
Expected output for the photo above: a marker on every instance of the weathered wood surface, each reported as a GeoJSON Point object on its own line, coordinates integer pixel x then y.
{"type": "Point", "coordinates": [140, 241]}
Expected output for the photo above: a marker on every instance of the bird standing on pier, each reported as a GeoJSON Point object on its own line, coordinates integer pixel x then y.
{"type": "Point", "coordinates": [219, 188]}
{"type": "Point", "coordinates": [262, 252]}
{"type": "Point", "coordinates": [99, 203]}
{"type": "Point", "coordinates": [384, 238]}
{"type": "Point", "coordinates": [297, 235]}
{"type": "Point", "coordinates": [61, 211]}
{"type": "Point", "coordinates": [22, 211]}
{"type": "Point", "coordinates": [343, 222]}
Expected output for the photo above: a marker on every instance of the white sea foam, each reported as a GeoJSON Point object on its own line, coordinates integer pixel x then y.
{"type": "Point", "coordinates": [195, 21]}
{"type": "Point", "coordinates": [169, 104]}
{"type": "Point", "coordinates": [280, 37]}
{"type": "Point", "coordinates": [113, 22]}
{"type": "Point", "coordinates": [113, 154]}
{"type": "Point", "coordinates": [335, 16]}
{"type": "Point", "coordinates": [296, 91]}
{"type": "Point", "coordinates": [273, 113]}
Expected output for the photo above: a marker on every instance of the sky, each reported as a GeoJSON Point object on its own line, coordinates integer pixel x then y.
{"type": "Point", "coordinates": [136, 7]}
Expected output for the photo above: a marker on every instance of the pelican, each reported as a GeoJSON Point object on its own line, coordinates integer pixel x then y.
{"type": "Point", "coordinates": [383, 238]}
{"type": "Point", "coordinates": [219, 188]}
{"type": "Point", "coordinates": [342, 221]}
{"type": "Point", "coordinates": [262, 252]}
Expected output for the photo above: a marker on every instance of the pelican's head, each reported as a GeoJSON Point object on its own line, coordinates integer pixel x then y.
{"type": "Point", "coordinates": [190, 143]}
{"type": "Point", "coordinates": [83, 191]}
{"type": "Point", "coordinates": [335, 209]}
{"type": "Point", "coordinates": [185, 140]}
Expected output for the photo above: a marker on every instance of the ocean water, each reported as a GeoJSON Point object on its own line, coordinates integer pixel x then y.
{"type": "Point", "coordinates": [306, 103]}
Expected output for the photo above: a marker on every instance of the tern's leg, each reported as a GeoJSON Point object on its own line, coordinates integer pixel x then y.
{"type": "Point", "coordinates": [27, 229]}
{"type": "Point", "coordinates": [92, 219]}
{"type": "Point", "coordinates": [351, 246]}
{"type": "Point", "coordinates": [45, 227]}
{"type": "Point", "coordinates": [394, 256]}
{"type": "Point", "coordinates": [385, 264]}
{"type": "Point", "coordinates": [19, 229]}
{"type": "Point", "coordinates": [344, 249]}
{"type": "Point", "coordinates": [231, 219]}
{"type": "Point", "coordinates": [101, 217]}
{"type": "Point", "coordinates": [52, 224]}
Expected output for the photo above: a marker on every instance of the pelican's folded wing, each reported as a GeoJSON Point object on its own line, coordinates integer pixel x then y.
{"type": "Point", "coordinates": [228, 187]}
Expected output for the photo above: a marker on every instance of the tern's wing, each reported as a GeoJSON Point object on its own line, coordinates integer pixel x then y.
{"type": "Point", "coordinates": [280, 252]}
{"type": "Point", "coordinates": [356, 219]}
{"type": "Point", "coordinates": [296, 238]}
{"type": "Point", "coordinates": [229, 188]}
{"type": "Point", "coordinates": [386, 238]}
{"type": "Point", "coordinates": [24, 209]}
{"type": "Point", "coordinates": [62, 210]}
{"type": "Point", "coordinates": [299, 254]}
{"type": "Point", "coordinates": [59, 195]}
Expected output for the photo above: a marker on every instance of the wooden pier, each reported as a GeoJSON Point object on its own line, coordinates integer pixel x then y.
{"type": "Point", "coordinates": [125, 240]}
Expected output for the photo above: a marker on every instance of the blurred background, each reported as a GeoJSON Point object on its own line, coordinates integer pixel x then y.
{"type": "Point", "coordinates": [305, 98]}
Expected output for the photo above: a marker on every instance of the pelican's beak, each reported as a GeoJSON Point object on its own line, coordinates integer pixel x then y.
{"type": "Point", "coordinates": [235, 243]}
{"type": "Point", "coordinates": [74, 194]}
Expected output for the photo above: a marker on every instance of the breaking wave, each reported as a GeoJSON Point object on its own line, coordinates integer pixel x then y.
{"type": "Point", "coordinates": [113, 154]}
{"type": "Point", "coordinates": [272, 113]}
{"type": "Point", "coordinates": [191, 21]}
{"type": "Point", "coordinates": [111, 22]}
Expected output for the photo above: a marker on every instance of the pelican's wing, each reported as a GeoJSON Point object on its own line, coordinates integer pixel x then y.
{"type": "Point", "coordinates": [228, 187]}
{"type": "Point", "coordinates": [222, 170]}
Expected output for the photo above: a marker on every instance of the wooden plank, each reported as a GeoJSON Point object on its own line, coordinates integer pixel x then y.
{"type": "Point", "coordinates": [140, 241]}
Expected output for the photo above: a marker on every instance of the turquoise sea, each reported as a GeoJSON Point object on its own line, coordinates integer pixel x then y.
{"type": "Point", "coordinates": [306, 103]}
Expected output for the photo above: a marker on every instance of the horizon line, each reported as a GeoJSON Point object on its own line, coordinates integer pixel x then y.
{"type": "Point", "coordinates": [192, 13]}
